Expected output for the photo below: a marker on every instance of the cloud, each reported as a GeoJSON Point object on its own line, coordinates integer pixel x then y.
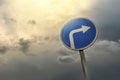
{"type": "Point", "coordinates": [102, 58]}
{"type": "Point", "coordinates": [25, 44]}
{"type": "Point", "coordinates": [106, 18]}
{"type": "Point", "coordinates": [26, 21]}
{"type": "Point", "coordinates": [1, 2]}
{"type": "Point", "coordinates": [106, 50]}
{"type": "Point", "coordinates": [17, 19]}
{"type": "Point", "coordinates": [66, 59]}
{"type": "Point", "coordinates": [32, 22]}
{"type": "Point", "coordinates": [3, 49]}
{"type": "Point", "coordinates": [64, 51]}
{"type": "Point", "coordinates": [119, 41]}
{"type": "Point", "coordinates": [67, 56]}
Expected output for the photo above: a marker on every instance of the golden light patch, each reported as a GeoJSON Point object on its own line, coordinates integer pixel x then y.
{"type": "Point", "coordinates": [43, 2]}
{"type": "Point", "coordinates": [43, 17]}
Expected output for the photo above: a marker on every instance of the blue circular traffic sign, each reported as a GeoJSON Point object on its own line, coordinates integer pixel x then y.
{"type": "Point", "coordinates": [79, 34]}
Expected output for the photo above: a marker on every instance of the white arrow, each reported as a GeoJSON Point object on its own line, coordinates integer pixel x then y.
{"type": "Point", "coordinates": [83, 29]}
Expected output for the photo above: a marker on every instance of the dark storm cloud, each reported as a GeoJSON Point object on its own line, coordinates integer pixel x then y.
{"type": "Point", "coordinates": [24, 72]}
{"type": "Point", "coordinates": [102, 59]}
{"type": "Point", "coordinates": [69, 75]}
{"type": "Point", "coordinates": [106, 14]}
{"type": "Point", "coordinates": [30, 69]}
{"type": "Point", "coordinates": [25, 44]}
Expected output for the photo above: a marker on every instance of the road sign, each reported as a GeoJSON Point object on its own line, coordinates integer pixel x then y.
{"type": "Point", "coordinates": [79, 34]}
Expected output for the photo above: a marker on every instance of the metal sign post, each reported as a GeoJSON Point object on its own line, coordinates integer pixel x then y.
{"type": "Point", "coordinates": [79, 34]}
{"type": "Point", "coordinates": [84, 66]}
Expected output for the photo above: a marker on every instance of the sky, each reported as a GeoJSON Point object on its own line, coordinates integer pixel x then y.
{"type": "Point", "coordinates": [31, 48]}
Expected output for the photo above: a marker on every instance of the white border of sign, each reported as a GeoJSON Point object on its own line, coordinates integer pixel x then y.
{"type": "Point", "coordinates": [86, 46]}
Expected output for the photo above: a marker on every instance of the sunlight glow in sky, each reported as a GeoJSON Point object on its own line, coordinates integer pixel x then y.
{"type": "Point", "coordinates": [21, 13]}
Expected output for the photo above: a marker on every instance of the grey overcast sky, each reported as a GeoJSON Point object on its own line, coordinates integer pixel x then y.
{"type": "Point", "coordinates": [30, 45]}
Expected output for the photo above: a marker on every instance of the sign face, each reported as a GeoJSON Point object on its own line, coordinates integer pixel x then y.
{"type": "Point", "coordinates": [79, 34]}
